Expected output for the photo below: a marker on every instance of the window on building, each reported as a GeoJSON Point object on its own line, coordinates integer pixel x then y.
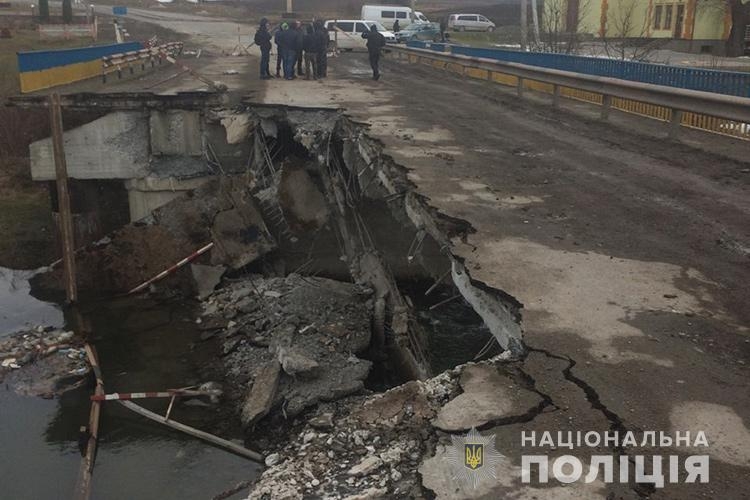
{"type": "Point", "coordinates": [388, 14]}
{"type": "Point", "coordinates": [657, 17]}
{"type": "Point", "coordinates": [667, 17]}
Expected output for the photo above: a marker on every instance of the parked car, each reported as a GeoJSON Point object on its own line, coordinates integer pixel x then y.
{"type": "Point", "coordinates": [470, 22]}
{"type": "Point", "coordinates": [348, 33]}
{"type": "Point", "coordinates": [387, 15]}
{"type": "Point", "coordinates": [429, 31]}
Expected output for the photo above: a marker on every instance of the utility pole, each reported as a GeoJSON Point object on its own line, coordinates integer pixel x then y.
{"type": "Point", "coordinates": [63, 199]}
{"type": "Point", "coordinates": [535, 20]}
{"type": "Point", "coordinates": [524, 25]}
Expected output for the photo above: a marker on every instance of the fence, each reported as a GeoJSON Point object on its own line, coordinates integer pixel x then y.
{"type": "Point", "coordinates": [48, 68]}
{"type": "Point", "coordinates": [150, 56]}
{"type": "Point", "coordinates": [712, 112]}
{"type": "Point", "coordinates": [706, 80]}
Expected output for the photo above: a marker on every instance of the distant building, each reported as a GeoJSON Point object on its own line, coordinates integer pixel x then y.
{"type": "Point", "coordinates": [690, 25]}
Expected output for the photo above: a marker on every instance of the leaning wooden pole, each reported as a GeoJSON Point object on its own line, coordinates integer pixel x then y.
{"type": "Point", "coordinates": [63, 199]}
{"type": "Point", "coordinates": [228, 445]}
{"type": "Point", "coordinates": [83, 486]}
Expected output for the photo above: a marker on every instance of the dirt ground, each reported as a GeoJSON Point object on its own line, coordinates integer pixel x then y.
{"type": "Point", "coordinates": [630, 251]}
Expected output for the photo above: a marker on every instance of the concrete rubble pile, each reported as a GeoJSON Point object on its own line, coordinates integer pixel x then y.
{"type": "Point", "coordinates": [393, 444]}
{"type": "Point", "coordinates": [290, 343]}
{"type": "Point", "coordinates": [42, 362]}
{"type": "Point", "coordinates": [365, 447]}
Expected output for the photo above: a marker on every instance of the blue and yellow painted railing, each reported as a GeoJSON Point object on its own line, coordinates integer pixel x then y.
{"type": "Point", "coordinates": [44, 69]}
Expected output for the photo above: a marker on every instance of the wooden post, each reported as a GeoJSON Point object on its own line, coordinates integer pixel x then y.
{"type": "Point", "coordinates": [63, 199]}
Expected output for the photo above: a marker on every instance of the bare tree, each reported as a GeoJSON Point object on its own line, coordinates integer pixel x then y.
{"type": "Point", "coordinates": [623, 29]}
{"type": "Point", "coordinates": [561, 28]}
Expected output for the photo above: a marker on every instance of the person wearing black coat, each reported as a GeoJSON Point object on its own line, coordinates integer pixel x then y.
{"type": "Point", "coordinates": [310, 44]}
{"type": "Point", "coordinates": [299, 44]}
{"type": "Point", "coordinates": [278, 39]}
{"type": "Point", "coordinates": [375, 42]}
{"type": "Point", "coordinates": [263, 41]}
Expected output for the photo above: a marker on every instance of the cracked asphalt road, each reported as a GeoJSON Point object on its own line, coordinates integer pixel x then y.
{"type": "Point", "coordinates": [630, 252]}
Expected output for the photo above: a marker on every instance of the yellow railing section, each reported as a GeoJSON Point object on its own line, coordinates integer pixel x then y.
{"type": "Point", "coordinates": [692, 120]}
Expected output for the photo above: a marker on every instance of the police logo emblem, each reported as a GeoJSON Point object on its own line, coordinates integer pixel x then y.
{"type": "Point", "coordinates": [473, 458]}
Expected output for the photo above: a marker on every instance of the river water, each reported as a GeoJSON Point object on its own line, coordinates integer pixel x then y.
{"type": "Point", "coordinates": [143, 345]}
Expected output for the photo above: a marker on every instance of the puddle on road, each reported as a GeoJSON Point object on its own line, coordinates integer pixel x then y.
{"type": "Point", "coordinates": [143, 345]}
{"type": "Point", "coordinates": [18, 309]}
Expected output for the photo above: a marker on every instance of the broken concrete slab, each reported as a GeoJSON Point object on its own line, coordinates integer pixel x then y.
{"type": "Point", "coordinates": [489, 395]}
{"type": "Point", "coordinates": [238, 127]}
{"type": "Point", "coordinates": [261, 396]}
{"type": "Point", "coordinates": [405, 401]}
{"type": "Point", "coordinates": [303, 202]}
{"type": "Point", "coordinates": [240, 237]}
{"type": "Point", "coordinates": [206, 278]}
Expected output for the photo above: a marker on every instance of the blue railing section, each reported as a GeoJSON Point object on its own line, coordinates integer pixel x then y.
{"type": "Point", "coordinates": [707, 80]}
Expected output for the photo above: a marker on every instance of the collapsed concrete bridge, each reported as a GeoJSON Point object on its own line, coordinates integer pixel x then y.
{"type": "Point", "coordinates": [276, 189]}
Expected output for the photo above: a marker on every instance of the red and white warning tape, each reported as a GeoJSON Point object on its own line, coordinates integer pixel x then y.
{"type": "Point", "coordinates": [132, 395]}
{"type": "Point", "coordinates": [124, 396]}
{"type": "Point", "coordinates": [172, 269]}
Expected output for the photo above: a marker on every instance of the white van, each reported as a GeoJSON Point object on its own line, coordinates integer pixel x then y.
{"type": "Point", "coordinates": [347, 33]}
{"type": "Point", "coordinates": [470, 22]}
{"type": "Point", "coordinates": [389, 14]}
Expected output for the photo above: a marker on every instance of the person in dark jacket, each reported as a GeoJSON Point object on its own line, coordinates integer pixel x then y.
{"type": "Point", "coordinates": [396, 26]}
{"type": "Point", "coordinates": [291, 43]}
{"type": "Point", "coordinates": [311, 53]}
{"type": "Point", "coordinates": [300, 46]}
{"type": "Point", "coordinates": [278, 37]}
{"type": "Point", "coordinates": [375, 42]}
{"type": "Point", "coordinates": [321, 33]}
{"type": "Point", "coordinates": [263, 41]}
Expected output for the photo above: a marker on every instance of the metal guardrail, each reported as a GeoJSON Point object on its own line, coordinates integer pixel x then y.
{"type": "Point", "coordinates": [706, 80]}
{"type": "Point", "coordinates": [151, 56]}
{"type": "Point", "coordinates": [725, 114]}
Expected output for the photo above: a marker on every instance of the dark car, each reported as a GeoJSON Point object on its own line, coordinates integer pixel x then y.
{"type": "Point", "coordinates": [419, 31]}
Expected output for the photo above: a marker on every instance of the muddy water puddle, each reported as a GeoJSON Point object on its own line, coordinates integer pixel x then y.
{"type": "Point", "coordinates": [143, 345]}
{"type": "Point", "coordinates": [18, 309]}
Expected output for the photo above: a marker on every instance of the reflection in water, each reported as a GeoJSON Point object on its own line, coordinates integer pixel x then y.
{"type": "Point", "coordinates": [18, 309]}
{"type": "Point", "coordinates": [143, 345]}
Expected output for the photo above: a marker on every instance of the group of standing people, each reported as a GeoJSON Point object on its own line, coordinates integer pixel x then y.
{"type": "Point", "coordinates": [295, 44]}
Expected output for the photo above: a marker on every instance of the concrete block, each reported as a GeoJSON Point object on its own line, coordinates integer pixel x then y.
{"type": "Point", "coordinates": [176, 132]}
{"type": "Point", "coordinates": [112, 147]}
{"type": "Point", "coordinates": [149, 193]}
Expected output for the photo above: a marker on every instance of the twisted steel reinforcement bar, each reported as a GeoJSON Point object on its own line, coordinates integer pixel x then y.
{"type": "Point", "coordinates": [679, 101]}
